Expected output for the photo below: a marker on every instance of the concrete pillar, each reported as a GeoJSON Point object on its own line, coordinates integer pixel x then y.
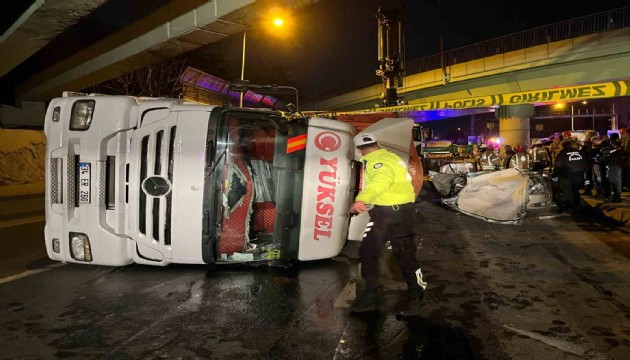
{"type": "Point", "coordinates": [514, 124]}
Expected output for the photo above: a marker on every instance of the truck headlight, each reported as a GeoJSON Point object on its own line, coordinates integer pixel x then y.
{"type": "Point", "coordinates": [82, 112]}
{"type": "Point", "coordinates": [80, 247]}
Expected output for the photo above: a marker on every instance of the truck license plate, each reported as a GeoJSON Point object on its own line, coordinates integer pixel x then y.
{"type": "Point", "coordinates": [84, 182]}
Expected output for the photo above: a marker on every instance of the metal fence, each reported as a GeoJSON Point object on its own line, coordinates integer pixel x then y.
{"type": "Point", "coordinates": [595, 111]}
{"type": "Point", "coordinates": [587, 25]}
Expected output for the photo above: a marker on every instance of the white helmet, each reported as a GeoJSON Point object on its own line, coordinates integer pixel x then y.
{"type": "Point", "coordinates": [364, 139]}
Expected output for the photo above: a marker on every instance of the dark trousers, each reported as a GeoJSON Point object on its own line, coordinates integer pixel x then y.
{"type": "Point", "coordinates": [614, 178]}
{"type": "Point", "coordinates": [603, 173]}
{"type": "Point", "coordinates": [625, 171]}
{"type": "Point", "coordinates": [395, 224]}
{"type": "Point", "coordinates": [597, 179]}
{"type": "Point", "coordinates": [625, 176]}
{"type": "Point", "coordinates": [588, 179]}
{"type": "Point", "coordinates": [571, 190]}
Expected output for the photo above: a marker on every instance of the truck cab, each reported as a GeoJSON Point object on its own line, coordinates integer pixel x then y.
{"type": "Point", "coordinates": [157, 181]}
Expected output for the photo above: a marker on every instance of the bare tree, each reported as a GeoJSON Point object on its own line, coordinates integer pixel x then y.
{"type": "Point", "coordinates": [161, 79]}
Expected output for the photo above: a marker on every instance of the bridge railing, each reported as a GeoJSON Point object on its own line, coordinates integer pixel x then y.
{"type": "Point", "coordinates": [568, 29]}
{"type": "Point", "coordinates": [594, 111]}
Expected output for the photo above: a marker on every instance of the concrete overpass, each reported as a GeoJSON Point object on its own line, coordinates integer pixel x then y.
{"type": "Point", "coordinates": [600, 56]}
{"type": "Point", "coordinates": [580, 59]}
{"type": "Point", "coordinates": [56, 45]}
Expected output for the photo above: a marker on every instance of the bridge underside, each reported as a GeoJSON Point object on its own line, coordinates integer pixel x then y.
{"type": "Point", "coordinates": [169, 30]}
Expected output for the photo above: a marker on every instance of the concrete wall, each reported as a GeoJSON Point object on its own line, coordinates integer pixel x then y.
{"type": "Point", "coordinates": [29, 114]}
{"type": "Point", "coordinates": [22, 155]}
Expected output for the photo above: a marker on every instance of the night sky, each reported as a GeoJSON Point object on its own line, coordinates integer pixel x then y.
{"type": "Point", "coordinates": [334, 42]}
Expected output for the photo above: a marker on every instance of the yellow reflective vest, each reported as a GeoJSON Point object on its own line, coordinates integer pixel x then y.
{"type": "Point", "coordinates": [387, 181]}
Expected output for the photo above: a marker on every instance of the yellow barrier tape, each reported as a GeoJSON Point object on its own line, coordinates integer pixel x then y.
{"type": "Point", "coordinates": [570, 93]}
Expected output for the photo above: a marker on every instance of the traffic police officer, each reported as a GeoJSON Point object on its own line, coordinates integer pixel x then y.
{"type": "Point", "coordinates": [568, 171]}
{"type": "Point", "coordinates": [388, 188]}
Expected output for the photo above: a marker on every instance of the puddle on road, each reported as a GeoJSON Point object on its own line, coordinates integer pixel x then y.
{"type": "Point", "coordinates": [429, 339]}
{"type": "Point", "coordinates": [387, 336]}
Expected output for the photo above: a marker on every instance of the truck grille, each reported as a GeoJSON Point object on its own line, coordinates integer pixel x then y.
{"type": "Point", "coordinates": [154, 213]}
{"type": "Point", "coordinates": [56, 182]}
{"type": "Point", "coordinates": [169, 196]}
{"type": "Point", "coordinates": [102, 183]}
{"type": "Point", "coordinates": [142, 201]}
{"type": "Point", "coordinates": [72, 179]}
{"type": "Point", "coordinates": [158, 171]}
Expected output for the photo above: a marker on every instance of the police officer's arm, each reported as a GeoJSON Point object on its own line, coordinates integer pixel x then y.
{"type": "Point", "coordinates": [381, 179]}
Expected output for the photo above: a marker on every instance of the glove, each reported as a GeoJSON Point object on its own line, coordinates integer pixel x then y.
{"type": "Point", "coordinates": [554, 179]}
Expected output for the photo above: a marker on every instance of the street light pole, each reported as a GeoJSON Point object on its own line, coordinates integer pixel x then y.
{"type": "Point", "coordinates": [243, 63]}
{"type": "Point", "coordinates": [278, 22]}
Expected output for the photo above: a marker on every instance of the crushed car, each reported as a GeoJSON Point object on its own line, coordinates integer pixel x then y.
{"type": "Point", "coordinates": [503, 196]}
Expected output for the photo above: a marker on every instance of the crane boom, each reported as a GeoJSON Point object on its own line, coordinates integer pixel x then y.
{"type": "Point", "coordinates": [391, 56]}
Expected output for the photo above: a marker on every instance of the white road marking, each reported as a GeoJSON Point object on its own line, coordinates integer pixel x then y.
{"type": "Point", "coordinates": [553, 216]}
{"type": "Point", "coordinates": [566, 346]}
{"type": "Point", "coordinates": [346, 296]}
{"type": "Point", "coordinates": [29, 273]}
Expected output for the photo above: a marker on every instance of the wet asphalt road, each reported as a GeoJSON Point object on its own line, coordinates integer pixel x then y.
{"type": "Point", "coordinates": [556, 288]}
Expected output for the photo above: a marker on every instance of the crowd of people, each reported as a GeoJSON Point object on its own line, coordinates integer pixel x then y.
{"type": "Point", "coordinates": [600, 166]}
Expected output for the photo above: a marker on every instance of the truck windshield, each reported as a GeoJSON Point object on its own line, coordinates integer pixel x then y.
{"type": "Point", "coordinates": [254, 190]}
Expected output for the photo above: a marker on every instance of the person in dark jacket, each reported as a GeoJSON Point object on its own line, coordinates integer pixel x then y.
{"type": "Point", "coordinates": [613, 156]}
{"type": "Point", "coordinates": [508, 153]}
{"type": "Point", "coordinates": [568, 171]}
{"type": "Point", "coordinates": [625, 147]}
{"type": "Point", "coordinates": [600, 184]}
{"type": "Point", "coordinates": [585, 150]}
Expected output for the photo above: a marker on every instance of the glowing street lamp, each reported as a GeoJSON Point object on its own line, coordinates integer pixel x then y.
{"type": "Point", "coordinates": [277, 22]}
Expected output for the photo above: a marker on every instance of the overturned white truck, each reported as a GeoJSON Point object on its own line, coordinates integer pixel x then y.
{"type": "Point", "coordinates": [159, 181]}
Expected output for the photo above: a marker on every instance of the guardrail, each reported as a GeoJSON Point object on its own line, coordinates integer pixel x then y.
{"type": "Point", "coordinates": [568, 29]}
{"type": "Point", "coordinates": [576, 112]}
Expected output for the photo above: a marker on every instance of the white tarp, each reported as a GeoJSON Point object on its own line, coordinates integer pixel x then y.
{"type": "Point", "coordinates": [500, 195]}
{"type": "Point", "coordinates": [393, 134]}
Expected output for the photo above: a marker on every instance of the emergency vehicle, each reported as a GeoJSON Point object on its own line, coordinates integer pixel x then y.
{"type": "Point", "coordinates": [157, 181]}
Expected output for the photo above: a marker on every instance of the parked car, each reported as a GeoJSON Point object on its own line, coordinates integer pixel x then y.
{"type": "Point", "coordinates": [579, 135]}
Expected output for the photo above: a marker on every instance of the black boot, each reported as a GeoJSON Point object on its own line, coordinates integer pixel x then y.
{"type": "Point", "coordinates": [366, 300]}
{"type": "Point", "coordinates": [413, 303]}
